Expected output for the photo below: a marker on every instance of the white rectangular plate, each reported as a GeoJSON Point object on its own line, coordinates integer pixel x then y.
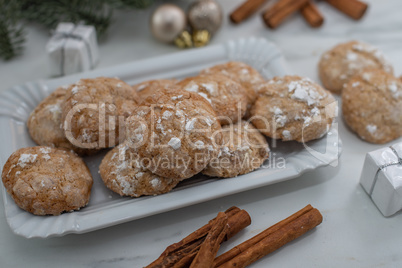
{"type": "Point", "coordinates": [288, 160]}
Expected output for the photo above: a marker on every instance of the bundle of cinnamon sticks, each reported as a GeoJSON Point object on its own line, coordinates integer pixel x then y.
{"type": "Point", "coordinates": [198, 250]}
{"type": "Point", "coordinates": [282, 9]}
{"type": "Point", "coordinates": [202, 245]}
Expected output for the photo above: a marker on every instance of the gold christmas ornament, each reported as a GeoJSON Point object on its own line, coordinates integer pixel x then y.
{"type": "Point", "coordinates": [184, 40]}
{"type": "Point", "coordinates": [201, 38]}
{"type": "Point", "coordinates": [168, 21]}
{"type": "Point", "coordinates": [204, 15]}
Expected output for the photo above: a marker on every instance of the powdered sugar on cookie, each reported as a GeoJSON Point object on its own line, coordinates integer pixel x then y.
{"type": "Point", "coordinates": [26, 159]}
{"type": "Point", "coordinates": [338, 65]}
{"type": "Point", "coordinates": [175, 143]}
{"type": "Point", "coordinates": [295, 103]}
{"type": "Point", "coordinates": [304, 91]}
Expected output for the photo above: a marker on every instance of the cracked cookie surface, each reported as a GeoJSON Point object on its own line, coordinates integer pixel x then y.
{"type": "Point", "coordinates": [339, 64]}
{"type": "Point", "coordinates": [44, 123]}
{"type": "Point", "coordinates": [242, 73]}
{"type": "Point", "coordinates": [123, 171]}
{"type": "Point", "coordinates": [150, 87]}
{"type": "Point", "coordinates": [243, 150]}
{"type": "Point", "coordinates": [293, 108]}
{"type": "Point", "coordinates": [372, 106]}
{"type": "Point", "coordinates": [47, 181]}
{"type": "Point", "coordinates": [227, 97]}
{"type": "Point", "coordinates": [94, 110]}
{"type": "Point", "coordinates": [176, 133]}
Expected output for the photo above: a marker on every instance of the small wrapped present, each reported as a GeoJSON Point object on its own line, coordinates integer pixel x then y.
{"type": "Point", "coordinates": [382, 178]}
{"type": "Point", "coordinates": [72, 49]}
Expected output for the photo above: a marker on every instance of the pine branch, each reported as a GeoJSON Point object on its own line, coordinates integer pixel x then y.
{"type": "Point", "coordinates": [129, 3]}
{"type": "Point", "coordinates": [12, 35]}
{"type": "Point", "coordinates": [49, 13]}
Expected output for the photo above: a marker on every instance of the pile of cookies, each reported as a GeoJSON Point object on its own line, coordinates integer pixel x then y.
{"type": "Point", "coordinates": [161, 132]}
{"type": "Point", "coordinates": [371, 94]}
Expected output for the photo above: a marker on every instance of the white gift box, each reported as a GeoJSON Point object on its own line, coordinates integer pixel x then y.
{"type": "Point", "coordinates": [381, 178]}
{"type": "Point", "coordinates": [72, 49]}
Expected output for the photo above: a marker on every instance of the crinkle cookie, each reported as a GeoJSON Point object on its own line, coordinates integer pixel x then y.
{"type": "Point", "coordinates": [47, 181]}
{"type": "Point", "coordinates": [94, 110]}
{"type": "Point", "coordinates": [372, 106]}
{"type": "Point", "coordinates": [44, 123]}
{"type": "Point", "coordinates": [293, 108]}
{"type": "Point", "coordinates": [240, 72]}
{"type": "Point", "coordinates": [227, 97]}
{"type": "Point", "coordinates": [123, 172]}
{"type": "Point", "coordinates": [338, 65]}
{"type": "Point", "coordinates": [244, 149]}
{"type": "Point", "coordinates": [150, 87]}
{"type": "Point", "coordinates": [177, 135]}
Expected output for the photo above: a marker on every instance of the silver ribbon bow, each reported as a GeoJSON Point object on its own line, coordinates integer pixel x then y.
{"type": "Point", "coordinates": [399, 162]}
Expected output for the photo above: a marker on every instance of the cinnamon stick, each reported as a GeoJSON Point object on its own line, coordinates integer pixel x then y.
{"type": "Point", "coordinates": [245, 10]}
{"type": "Point", "coordinates": [353, 8]}
{"type": "Point", "coordinates": [186, 261]}
{"type": "Point", "coordinates": [236, 222]}
{"type": "Point", "coordinates": [182, 253]}
{"type": "Point", "coordinates": [276, 14]}
{"type": "Point", "coordinates": [312, 15]}
{"type": "Point", "coordinates": [206, 255]}
{"type": "Point", "coordinates": [271, 239]}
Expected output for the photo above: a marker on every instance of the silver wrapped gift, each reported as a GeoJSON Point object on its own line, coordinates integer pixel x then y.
{"type": "Point", "coordinates": [72, 49]}
{"type": "Point", "coordinates": [381, 178]}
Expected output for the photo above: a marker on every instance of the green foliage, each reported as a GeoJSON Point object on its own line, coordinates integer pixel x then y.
{"type": "Point", "coordinates": [12, 35]}
{"type": "Point", "coordinates": [49, 13]}
{"type": "Point", "coordinates": [126, 4]}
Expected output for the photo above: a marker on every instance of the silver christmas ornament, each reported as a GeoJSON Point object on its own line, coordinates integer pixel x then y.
{"type": "Point", "coordinates": [168, 22]}
{"type": "Point", "coordinates": [205, 15]}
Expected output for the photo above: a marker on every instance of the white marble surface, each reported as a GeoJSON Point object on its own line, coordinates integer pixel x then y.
{"type": "Point", "coordinates": [353, 233]}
